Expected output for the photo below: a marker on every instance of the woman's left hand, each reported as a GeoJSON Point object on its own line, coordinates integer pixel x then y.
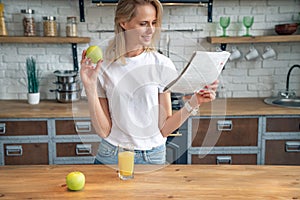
{"type": "Point", "coordinates": [207, 94]}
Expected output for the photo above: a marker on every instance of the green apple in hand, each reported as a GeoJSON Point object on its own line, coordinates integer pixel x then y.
{"type": "Point", "coordinates": [94, 53]}
{"type": "Point", "coordinates": [75, 180]}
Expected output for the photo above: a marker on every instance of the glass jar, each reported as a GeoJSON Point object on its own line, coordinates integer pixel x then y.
{"type": "Point", "coordinates": [49, 26]}
{"type": "Point", "coordinates": [71, 28]}
{"type": "Point", "coordinates": [3, 31]}
{"type": "Point", "coordinates": [28, 22]}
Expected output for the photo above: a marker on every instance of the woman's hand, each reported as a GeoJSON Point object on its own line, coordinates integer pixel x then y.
{"type": "Point", "coordinates": [88, 72]}
{"type": "Point", "coordinates": [207, 94]}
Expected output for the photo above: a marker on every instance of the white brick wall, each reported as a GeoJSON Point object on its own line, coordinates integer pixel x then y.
{"type": "Point", "coordinates": [259, 78]}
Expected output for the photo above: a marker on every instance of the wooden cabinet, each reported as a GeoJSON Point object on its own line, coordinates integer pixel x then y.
{"type": "Point", "coordinates": [26, 154]}
{"type": "Point", "coordinates": [24, 142]}
{"type": "Point", "coordinates": [281, 140]}
{"type": "Point", "coordinates": [224, 140]}
{"type": "Point", "coordinates": [75, 141]}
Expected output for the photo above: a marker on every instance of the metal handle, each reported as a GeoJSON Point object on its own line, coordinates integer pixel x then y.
{"type": "Point", "coordinates": [2, 128]}
{"type": "Point", "coordinates": [83, 149]}
{"type": "Point", "coordinates": [177, 134]}
{"type": "Point", "coordinates": [291, 146]}
{"type": "Point", "coordinates": [14, 150]}
{"type": "Point", "coordinates": [83, 127]}
{"type": "Point", "coordinates": [224, 160]}
{"type": "Point", "coordinates": [224, 125]}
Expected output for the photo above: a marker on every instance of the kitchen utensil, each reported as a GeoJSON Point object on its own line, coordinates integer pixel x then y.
{"type": "Point", "coordinates": [65, 76]}
{"type": "Point", "coordinates": [286, 29]}
{"type": "Point", "coordinates": [66, 96]}
{"type": "Point", "coordinates": [74, 86]}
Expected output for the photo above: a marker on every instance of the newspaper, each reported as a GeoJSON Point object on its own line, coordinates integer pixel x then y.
{"type": "Point", "coordinates": [202, 69]}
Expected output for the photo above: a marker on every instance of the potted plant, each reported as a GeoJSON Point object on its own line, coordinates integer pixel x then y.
{"type": "Point", "coordinates": [32, 81]}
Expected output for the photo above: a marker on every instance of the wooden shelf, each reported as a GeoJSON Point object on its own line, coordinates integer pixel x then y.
{"type": "Point", "coordinates": [49, 40]}
{"type": "Point", "coordinates": [63, 40]}
{"type": "Point", "coordinates": [254, 39]}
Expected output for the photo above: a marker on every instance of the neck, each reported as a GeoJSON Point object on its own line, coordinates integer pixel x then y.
{"type": "Point", "coordinates": [133, 53]}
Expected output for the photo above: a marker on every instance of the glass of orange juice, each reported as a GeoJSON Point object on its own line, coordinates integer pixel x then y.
{"type": "Point", "coordinates": [126, 161]}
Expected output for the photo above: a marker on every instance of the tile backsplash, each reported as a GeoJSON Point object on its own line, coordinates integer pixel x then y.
{"type": "Point", "coordinates": [185, 29]}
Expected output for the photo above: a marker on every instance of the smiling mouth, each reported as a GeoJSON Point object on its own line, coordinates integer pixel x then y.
{"type": "Point", "coordinates": [147, 38]}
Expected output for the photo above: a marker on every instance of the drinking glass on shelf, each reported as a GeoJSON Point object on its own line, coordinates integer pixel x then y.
{"type": "Point", "coordinates": [248, 22]}
{"type": "Point", "coordinates": [224, 23]}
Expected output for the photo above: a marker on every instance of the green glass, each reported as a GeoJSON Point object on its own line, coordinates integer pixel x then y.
{"type": "Point", "coordinates": [224, 23]}
{"type": "Point", "coordinates": [248, 22]}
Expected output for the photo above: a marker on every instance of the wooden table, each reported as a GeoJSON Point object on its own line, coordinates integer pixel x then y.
{"type": "Point", "coordinates": [169, 182]}
{"type": "Point", "coordinates": [51, 108]}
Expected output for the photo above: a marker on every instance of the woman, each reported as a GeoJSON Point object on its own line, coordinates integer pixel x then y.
{"type": "Point", "coordinates": [125, 90]}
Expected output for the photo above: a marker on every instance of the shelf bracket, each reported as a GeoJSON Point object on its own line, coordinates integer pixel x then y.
{"type": "Point", "coordinates": [223, 46]}
{"type": "Point", "coordinates": [81, 10]}
{"type": "Point", "coordinates": [75, 59]}
{"type": "Point", "coordinates": [209, 11]}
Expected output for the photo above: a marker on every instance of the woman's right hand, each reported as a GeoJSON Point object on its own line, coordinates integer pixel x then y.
{"type": "Point", "coordinates": [88, 72]}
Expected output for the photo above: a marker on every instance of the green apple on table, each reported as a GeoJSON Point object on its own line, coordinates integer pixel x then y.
{"type": "Point", "coordinates": [75, 180]}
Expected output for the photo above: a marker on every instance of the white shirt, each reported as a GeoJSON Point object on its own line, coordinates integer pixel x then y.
{"type": "Point", "coordinates": [132, 92]}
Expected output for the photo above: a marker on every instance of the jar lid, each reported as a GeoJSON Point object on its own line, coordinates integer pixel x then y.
{"type": "Point", "coordinates": [71, 19]}
{"type": "Point", "coordinates": [52, 18]}
{"type": "Point", "coordinates": [27, 11]}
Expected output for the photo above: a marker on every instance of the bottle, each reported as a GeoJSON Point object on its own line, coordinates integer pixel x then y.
{"type": "Point", "coordinates": [3, 31]}
{"type": "Point", "coordinates": [50, 26]}
{"type": "Point", "coordinates": [71, 28]}
{"type": "Point", "coordinates": [28, 22]}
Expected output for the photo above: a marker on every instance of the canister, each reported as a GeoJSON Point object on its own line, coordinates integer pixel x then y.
{"type": "Point", "coordinates": [3, 31]}
{"type": "Point", "coordinates": [28, 22]}
{"type": "Point", "coordinates": [49, 26]}
{"type": "Point", "coordinates": [71, 28]}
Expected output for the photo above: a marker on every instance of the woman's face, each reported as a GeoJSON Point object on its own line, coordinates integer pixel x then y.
{"type": "Point", "coordinates": [140, 29]}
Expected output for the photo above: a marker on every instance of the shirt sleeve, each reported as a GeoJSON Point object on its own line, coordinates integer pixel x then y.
{"type": "Point", "coordinates": [168, 74]}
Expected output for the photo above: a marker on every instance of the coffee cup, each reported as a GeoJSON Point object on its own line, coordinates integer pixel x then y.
{"type": "Point", "coordinates": [252, 54]}
{"type": "Point", "coordinates": [269, 53]}
{"type": "Point", "coordinates": [235, 54]}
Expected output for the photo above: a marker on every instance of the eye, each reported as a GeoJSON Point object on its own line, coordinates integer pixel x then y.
{"type": "Point", "coordinates": [143, 23]}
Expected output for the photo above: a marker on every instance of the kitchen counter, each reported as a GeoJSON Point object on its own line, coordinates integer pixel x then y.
{"type": "Point", "coordinates": [171, 182]}
{"type": "Point", "coordinates": [53, 109]}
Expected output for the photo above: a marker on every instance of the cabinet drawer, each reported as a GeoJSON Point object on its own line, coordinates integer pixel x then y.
{"type": "Point", "coordinates": [228, 132]}
{"type": "Point", "coordinates": [71, 127]}
{"type": "Point", "coordinates": [282, 152]}
{"type": "Point", "coordinates": [283, 124]}
{"type": "Point", "coordinates": [20, 128]}
{"type": "Point", "coordinates": [234, 159]}
{"type": "Point", "coordinates": [26, 154]}
{"type": "Point", "coordinates": [76, 149]}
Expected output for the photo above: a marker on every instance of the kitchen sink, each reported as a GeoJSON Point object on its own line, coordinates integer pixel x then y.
{"type": "Point", "coordinates": [284, 102]}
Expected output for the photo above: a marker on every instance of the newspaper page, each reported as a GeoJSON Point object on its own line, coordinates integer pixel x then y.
{"type": "Point", "coordinates": [202, 69]}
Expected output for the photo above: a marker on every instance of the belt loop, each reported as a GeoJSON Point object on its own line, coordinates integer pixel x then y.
{"type": "Point", "coordinates": [145, 156]}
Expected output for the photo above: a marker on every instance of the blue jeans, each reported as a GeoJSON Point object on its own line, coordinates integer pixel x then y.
{"type": "Point", "coordinates": [108, 154]}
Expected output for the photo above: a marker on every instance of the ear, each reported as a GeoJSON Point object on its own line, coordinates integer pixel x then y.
{"type": "Point", "coordinates": [123, 25]}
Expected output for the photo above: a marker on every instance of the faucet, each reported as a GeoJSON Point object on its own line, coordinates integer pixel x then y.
{"type": "Point", "coordinates": [287, 93]}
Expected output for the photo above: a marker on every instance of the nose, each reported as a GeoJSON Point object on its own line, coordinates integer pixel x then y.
{"type": "Point", "coordinates": [150, 29]}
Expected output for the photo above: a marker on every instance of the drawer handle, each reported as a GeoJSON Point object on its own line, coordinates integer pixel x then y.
{"type": "Point", "coordinates": [223, 160]}
{"type": "Point", "coordinates": [2, 128]}
{"type": "Point", "coordinates": [14, 150]}
{"type": "Point", "coordinates": [291, 146]}
{"type": "Point", "coordinates": [224, 125]}
{"type": "Point", "coordinates": [83, 127]}
{"type": "Point", "coordinates": [83, 149]}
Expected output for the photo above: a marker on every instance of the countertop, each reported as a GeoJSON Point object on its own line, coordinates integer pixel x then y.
{"type": "Point", "coordinates": [168, 182]}
{"type": "Point", "coordinates": [54, 109]}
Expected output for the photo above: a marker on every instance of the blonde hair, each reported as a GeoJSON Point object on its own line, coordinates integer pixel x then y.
{"type": "Point", "coordinates": [126, 10]}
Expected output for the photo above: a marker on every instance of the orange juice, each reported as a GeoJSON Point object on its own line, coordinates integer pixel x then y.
{"type": "Point", "coordinates": [126, 164]}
